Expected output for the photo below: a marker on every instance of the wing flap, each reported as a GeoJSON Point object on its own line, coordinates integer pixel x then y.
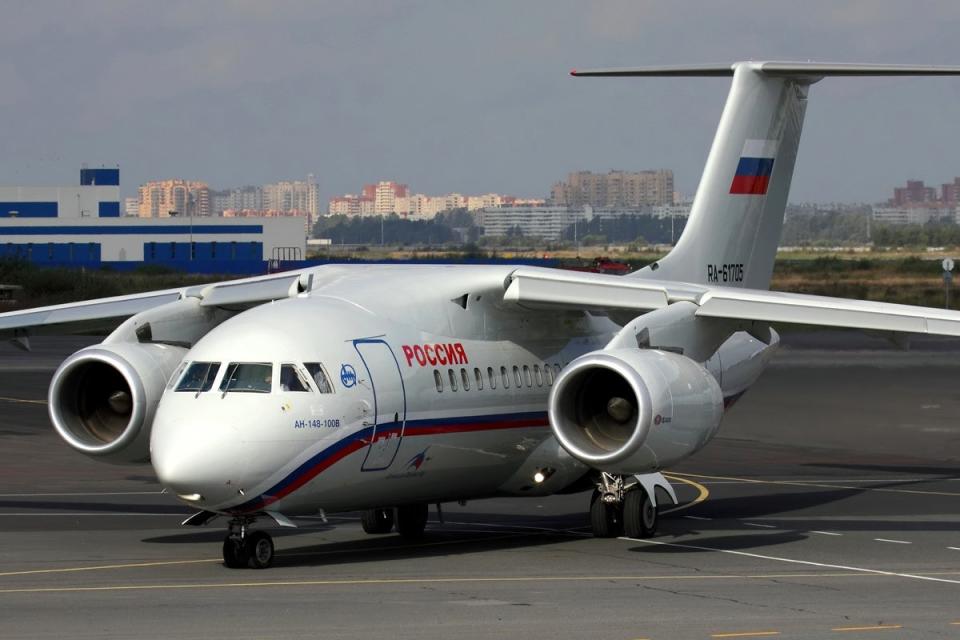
{"type": "Point", "coordinates": [245, 292]}
{"type": "Point", "coordinates": [777, 307]}
{"type": "Point", "coordinates": [539, 288]}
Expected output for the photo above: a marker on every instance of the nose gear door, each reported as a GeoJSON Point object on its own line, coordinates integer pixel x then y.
{"type": "Point", "coordinates": [389, 402]}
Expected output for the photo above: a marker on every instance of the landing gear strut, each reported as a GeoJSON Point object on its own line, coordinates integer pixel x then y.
{"type": "Point", "coordinates": [244, 548]}
{"type": "Point", "coordinates": [622, 505]}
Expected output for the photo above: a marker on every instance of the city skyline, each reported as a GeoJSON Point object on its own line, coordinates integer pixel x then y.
{"type": "Point", "coordinates": [348, 91]}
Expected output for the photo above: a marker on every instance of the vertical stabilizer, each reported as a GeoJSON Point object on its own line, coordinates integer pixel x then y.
{"type": "Point", "coordinates": [734, 227]}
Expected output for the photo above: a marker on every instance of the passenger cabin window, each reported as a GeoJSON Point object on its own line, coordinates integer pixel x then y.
{"type": "Point", "coordinates": [479, 378]}
{"type": "Point", "coordinates": [437, 378]}
{"type": "Point", "coordinates": [526, 376]}
{"type": "Point", "coordinates": [505, 377]}
{"type": "Point", "coordinates": [199, 377]}
{"type": "Point", "coordinates": [315, 369]}
{"type": "Point", "coordinates": [291, 379]}
{"type": "Point", "coordinates": [453, 379]}
{"type": "Point", "coordinates": [492, 378]}
{"type": "Point", "coordinates": [516, 376]}
{"type": "Point", "coordinates": [556, 370]}
{"type": "Point", "coordinates": [465, 379]}
{"type": "Point", "coordinates": [537, 375]}
{"type": "Point", "coordinates": [248, 377]}
{"type": "Point", "coordinates": [548, 373]}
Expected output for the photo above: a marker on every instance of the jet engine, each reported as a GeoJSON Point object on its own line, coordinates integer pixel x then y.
{"type": "Point", "coordinates": [634, 410]}
{"type": "Point", "coordinates": [102, 399]}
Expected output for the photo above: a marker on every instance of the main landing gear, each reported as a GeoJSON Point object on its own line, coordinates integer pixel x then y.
{"type": "Point", "coordinates": [410, 520]}
{"type": "Point", "coordinates": [244, 548]}
{"type": "Point", "coordinates": [626, 505]}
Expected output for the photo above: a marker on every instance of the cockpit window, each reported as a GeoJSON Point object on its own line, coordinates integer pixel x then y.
{"type": "Point", "coordinates": [199, 377]}
{"type": "Point", "coordinates": [176, 375]}
{"type": "Point", "coordinates": [291, 379]}
{"type": "Point", "coordinates": [248, 377]}
{"type": "Point", "coordinates": [319, 376]}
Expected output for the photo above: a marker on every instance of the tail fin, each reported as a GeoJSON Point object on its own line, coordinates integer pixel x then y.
{"type": "Point", "coordinates": [734, 228]}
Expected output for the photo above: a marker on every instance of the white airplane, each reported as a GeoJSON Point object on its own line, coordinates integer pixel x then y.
{"type": "Point", "coordinates": [387, 388]}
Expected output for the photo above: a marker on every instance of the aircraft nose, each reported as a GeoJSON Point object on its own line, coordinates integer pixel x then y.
{"type": "Point", "coordinates": [200, 463]}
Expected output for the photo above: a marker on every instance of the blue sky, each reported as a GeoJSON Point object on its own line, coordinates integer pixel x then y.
{"type": "Point", "coordinates": [454, 95]}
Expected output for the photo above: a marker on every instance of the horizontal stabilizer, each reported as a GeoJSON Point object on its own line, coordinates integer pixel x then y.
{"type": "Point", "coordinates": [773, 69]}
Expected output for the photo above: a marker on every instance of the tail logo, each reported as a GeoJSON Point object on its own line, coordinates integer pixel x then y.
{"type": "Point", "coordinates": [754, 169]}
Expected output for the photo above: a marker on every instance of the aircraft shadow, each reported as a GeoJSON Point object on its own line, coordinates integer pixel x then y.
{"type": "Point", "coordinates": [473, 533]}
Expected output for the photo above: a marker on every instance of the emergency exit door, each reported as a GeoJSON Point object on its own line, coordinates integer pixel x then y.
{"type": "Point", "coordinates": [385, 385]}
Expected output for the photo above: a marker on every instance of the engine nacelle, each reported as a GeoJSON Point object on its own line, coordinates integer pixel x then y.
{"type": "Point", "coordinates": [102, 399]}
{"type": "Point", "coordinates": [634, 410]}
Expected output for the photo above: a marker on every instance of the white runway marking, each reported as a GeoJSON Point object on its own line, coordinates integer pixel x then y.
{"type": "Point", "coordinates": [59, 495]}
{"type": "Point", "coordinates": [808, 563]}
{"type": "Point", "coordinates": [954, 548]}
{"type": "Point", "coordinates": [892, 541]}
{"type": "Point", "coordinates": [103, 514]}
{"type": "Point", "coordinates": [764, 526]}
{"type": "Point", "coordinates": [827, 533]}
{"type": "Point", "coordinates": [697, 518]}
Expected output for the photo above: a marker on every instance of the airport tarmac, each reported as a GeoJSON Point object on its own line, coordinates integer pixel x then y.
{"type": "Point", "coordinates": [828, 507]}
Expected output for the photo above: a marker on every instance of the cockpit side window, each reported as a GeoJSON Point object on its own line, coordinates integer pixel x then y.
{"type": "Point", "coordinates": [291, 379]}
{"type": "Point", "coordinates": [248, 377]}
{"type": "Point", "coordinates": [199, 377]}
{"type": "Point", "coordinates": [176, 375]}
{"type": "Point", "coordinates": [319, 377]}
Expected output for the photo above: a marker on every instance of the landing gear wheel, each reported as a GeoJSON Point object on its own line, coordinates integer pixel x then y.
{"type": "Point", "coordinates": [606, 521]}
{"type": "Point", "coordinates": [639, 515]}
{"type": "Point", "coordinates": [377, 520]}
{"type": "Point", "coordinates": [234, 552]}
{"type": "Point", "coordinates": [259, 548]}
{"type": "Point", "coordinates": [411, 520]}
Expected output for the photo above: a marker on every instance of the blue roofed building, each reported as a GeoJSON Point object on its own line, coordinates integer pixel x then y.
{"type": "Point", "coordinates": [83, 225]}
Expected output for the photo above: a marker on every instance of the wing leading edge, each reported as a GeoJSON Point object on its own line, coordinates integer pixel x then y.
{"type": "Point", "coordinates": [548, 288]}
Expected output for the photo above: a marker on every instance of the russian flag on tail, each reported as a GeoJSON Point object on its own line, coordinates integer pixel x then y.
{"type": "Point", "coordinates": [754, 168]}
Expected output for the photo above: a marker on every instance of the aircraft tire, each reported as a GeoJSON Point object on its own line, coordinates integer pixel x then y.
{"type": "Point", "coordinates": [640, 517]}
{"type": "Point", "coordinates": [234, 553]}
{"type": "Point", "coordinates": [259, 550]}
{"type": "Point", "coordinates": [411, 520]}
{"type": "Point", "coordinates": [606, 520]}
{"type": "Point", "coordinates": [377, 520]}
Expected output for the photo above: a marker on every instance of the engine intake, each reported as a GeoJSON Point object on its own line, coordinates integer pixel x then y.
{"type": "Point", "coordinates": [102, 398]}
{"type": "Point", "coordinates": [634, 411]}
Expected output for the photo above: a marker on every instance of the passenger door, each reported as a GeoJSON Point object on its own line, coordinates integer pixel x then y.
{"type": "Point", "coordinates": [389, 402]}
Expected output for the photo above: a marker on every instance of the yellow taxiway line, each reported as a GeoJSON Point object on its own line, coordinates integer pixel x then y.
{"type": "Point", "coordinates": [800, 483]}
{"type": "Point", "coordinates": [422, 581]}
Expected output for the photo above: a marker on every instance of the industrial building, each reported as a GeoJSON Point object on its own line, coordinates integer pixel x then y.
{"type": "Point", "coordinates": [82, 226]}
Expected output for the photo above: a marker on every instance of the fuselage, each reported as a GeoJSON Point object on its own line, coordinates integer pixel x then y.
{"type": "Point", "coordinates": [383, 386]}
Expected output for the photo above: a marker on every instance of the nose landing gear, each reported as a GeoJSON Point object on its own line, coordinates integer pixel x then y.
{"type": "Point", "coordinates": [243, 548]}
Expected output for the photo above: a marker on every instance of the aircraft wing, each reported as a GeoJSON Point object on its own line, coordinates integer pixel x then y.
{"type": "Point", "coordinates": [104, 313]}
{"type": "Point", "coordinates": [549, 288]}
